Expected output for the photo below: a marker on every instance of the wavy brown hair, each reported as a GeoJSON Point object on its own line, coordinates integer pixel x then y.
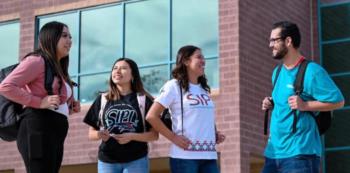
{"type": "Point", "coordinates": [136, 84]}
{"type": "Point", "coordinates": [180, 70]}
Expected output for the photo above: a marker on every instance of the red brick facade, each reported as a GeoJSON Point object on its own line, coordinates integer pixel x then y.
{"type": "Point", "coordinates": [245, 69]}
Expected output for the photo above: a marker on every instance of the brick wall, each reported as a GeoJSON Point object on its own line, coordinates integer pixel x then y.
{"type": "Point", "coordinates": [227, 103]}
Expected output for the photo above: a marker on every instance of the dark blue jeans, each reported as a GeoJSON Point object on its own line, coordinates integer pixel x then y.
{"type": "Point", "coordinates": [297, 164]}
{"type": "Point", "coordinates": [193, 166]}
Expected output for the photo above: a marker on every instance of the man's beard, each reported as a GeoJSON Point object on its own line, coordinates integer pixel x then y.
{"type": "Point", "coordinates": [281, 53]}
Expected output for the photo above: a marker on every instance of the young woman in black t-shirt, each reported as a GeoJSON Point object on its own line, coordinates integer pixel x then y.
{"type": "Point", "coordinates": [121, 127]}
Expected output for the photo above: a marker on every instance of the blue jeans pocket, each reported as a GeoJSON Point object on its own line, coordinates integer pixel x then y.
{"type": "Point", "coordinates": [302, 164]}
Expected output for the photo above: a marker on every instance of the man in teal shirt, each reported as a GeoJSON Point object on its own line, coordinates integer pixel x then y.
{"type": "Point", "coordinates": [298, 151]}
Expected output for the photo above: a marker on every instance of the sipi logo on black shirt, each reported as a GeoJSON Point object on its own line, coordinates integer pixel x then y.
{"type": "Point", "coordinates": [121, 118]}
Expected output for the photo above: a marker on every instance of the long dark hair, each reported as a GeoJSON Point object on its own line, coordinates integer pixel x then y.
{"type": "Point", "coordinates": [49, 36]}
{"type": "Point", "coordinates": [180, 70]}
{"type": "Point", "coordinates": [136, 84]}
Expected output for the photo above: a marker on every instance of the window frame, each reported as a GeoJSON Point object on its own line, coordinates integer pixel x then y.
{"type": "Point", "coordinates": [169, 60]}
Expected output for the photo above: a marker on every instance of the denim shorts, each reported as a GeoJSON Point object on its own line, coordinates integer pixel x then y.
{"type": "Point", "coordinates": [296, 164]}
{"type": "Point", "coordinates": [137, 166]}
{"type": "Point", "coordinates": [193, 166]}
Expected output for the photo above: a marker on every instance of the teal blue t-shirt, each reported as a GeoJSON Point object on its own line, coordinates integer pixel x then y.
{"type": "Point", "coordinates": [318, 85]}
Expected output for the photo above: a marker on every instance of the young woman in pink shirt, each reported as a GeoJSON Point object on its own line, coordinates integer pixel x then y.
{"type": "Point", "coordinates": [44, 123]}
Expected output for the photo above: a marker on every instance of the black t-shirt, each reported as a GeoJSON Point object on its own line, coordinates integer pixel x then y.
{"type": "Point", "coordinates": [120, 116]}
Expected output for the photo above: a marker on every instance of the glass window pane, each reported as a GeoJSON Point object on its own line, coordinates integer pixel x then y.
{"type": "Point", "coordinates": [90, 86]}
{"type": "Point", "coordinates": [9, 43]}
{"type": "Point", "coordinates": [336, 57]}
{"type": "Point", "coordinates": [343, 84]}
{"type": "Point", "coordinates": [147, 31]}
{"type": "Point", "coordinates": [335, 22]}
{"type": "Point", "coordinates": [72, 21]}
{"type": "Point", "coordinates": [154, 78]}
{"type": "Point", "coordinates": [338, 161]}
{"type": "Point", "coordinates": [338, 134]}
{"type": "Point", "coordinates": [323, 2]}
{"type": "Point", "coordinates": [212, 72]}
{"type": "Point", "coordinates": [100, 38]}
{"type": "Point", "coordinates": [196, 22]}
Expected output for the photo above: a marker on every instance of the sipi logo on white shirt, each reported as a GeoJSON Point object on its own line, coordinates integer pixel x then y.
{"type": "Point", "coordinates": [201, 99]}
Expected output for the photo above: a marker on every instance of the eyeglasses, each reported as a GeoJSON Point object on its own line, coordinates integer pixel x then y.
{"type": "Point", "coordinates": [274, 40]}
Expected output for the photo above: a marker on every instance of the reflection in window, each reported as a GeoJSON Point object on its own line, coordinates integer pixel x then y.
{"type": "Point", "coordinates": [212, 72]}
{"type": "Point", "coordinates": [335, 29]}
{"type": "Point", "coordinates": [147, 31]}
{"type": "Point", "coordinates": [91, 86]}
{"type": "Point", "coordinates": [336, 57]}
{"type": "Point", "coordinates": [100, 38]}
{"type": "Point", "coordinates": [147, 44]}
{"type": "Point", "coordinates": [72, 21]}
{"type": "Point", "coordinates": [335, 22]}
{"type": "Point", "coordinates": [154, 78]}
{"type": "Point", "coordinates": [338, 161]}
{"type": "Point", "coordinates": [9, 43]}
{"type": "Point", "coordinates": [338, 134]}
{"type": "Point", "coordinates": [196, 24]}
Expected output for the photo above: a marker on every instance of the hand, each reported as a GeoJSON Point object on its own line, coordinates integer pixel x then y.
{"type": "Point", "coordinates": [267, 103]}
{"type": "Point", "coordinates": [50, 101]}
{"type": "Point", "coordinates": [76, 106]}
{"type": "Point", "coordinates": [123, 138]}
{"type": "Point", "coordinates": [104, 135]}
{"type": "Point", "coordinates": [296, 103]}
{"type": "Point", "coordinates": [219, 137]}
{"type": "Point", "coordinates": [181, 141]}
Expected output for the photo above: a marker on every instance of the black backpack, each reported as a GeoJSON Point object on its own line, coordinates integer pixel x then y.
{"type": "Point", "coordinates": [166, 115]}
{"type": "Point", "coordinates": [323, 119]}
{"type": "Point", "coordinates": [11, 112]}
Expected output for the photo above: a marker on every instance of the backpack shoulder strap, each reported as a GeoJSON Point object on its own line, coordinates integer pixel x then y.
{"type": "Point", "coordinates": [141, 99]}
{"type": "Point", "coordinates": [49, 77]}
{"type": "Point", "coordinates": [279, 67]}
{"type": "Point", "coordinates": [299, 87]}
{"type": "Point", "coordinates": [182, 106]}
{"type": "Point", "coordinates": [182, 111]}
{"type": "Point", "coordinates": [299, 81]}
{"type": "Point", "coordinates": [266, 119]}
{"type": "Point", "coordinates": [103, 104]}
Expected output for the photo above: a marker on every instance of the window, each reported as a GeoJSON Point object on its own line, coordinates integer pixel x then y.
{"type": "Point", "coordinates": [338, 161]}
{"type": "Point", "coordinates": [147, 40]}
{"type": "Point", "coordinates": [9, 41]}
{"type": "Point", "coordinates": [330, 2]}
{"type": "Point", "coordinates": [150, 32]}
{"type": "Point", "coordinates": [334, 41]}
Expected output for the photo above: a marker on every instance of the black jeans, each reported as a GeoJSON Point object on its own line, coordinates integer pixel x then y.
{"type": "Point", "coordinates": [40, 140]}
